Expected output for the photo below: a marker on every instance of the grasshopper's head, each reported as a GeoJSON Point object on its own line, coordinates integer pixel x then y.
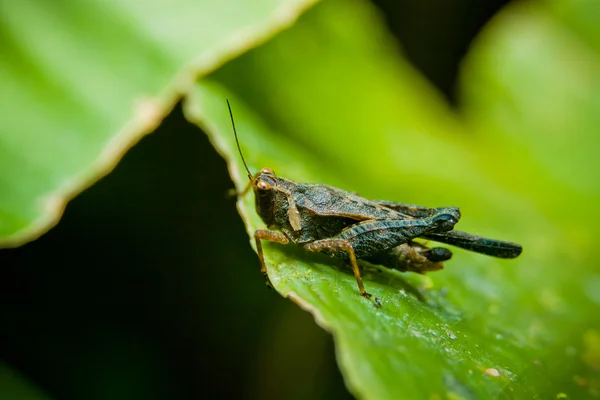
{"type": "Point", "coordinates": [263, 183]}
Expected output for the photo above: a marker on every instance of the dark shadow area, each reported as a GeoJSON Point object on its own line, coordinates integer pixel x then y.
{"type": "Point", "coordinates": [148, 289]}
{"type": "Point", "coordinates": [435, 34]}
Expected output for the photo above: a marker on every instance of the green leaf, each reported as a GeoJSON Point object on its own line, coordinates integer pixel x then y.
{"type": "Point", "coordinates": [331, 101]}
{"type": "Point", "coordinates": [82, 81]}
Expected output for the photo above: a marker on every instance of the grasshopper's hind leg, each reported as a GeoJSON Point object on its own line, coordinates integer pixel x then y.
{"type": "Point", "coordinates": [344, 245]}
{"type": "Point", "coordinates": [271, 236]}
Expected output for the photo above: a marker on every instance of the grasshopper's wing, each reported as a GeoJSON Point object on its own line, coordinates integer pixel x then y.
{"type": "Point", "coordinates": [411, 210]}
{"type": "Point", "coordinates": [326, 200]}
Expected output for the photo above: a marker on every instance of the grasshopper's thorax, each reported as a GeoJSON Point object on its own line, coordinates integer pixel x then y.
{"type": "Point", "coordinates": [264, 185]}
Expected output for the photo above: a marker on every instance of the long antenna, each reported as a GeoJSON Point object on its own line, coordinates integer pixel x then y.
{"type": "Point", "coordinates": [237, 141]}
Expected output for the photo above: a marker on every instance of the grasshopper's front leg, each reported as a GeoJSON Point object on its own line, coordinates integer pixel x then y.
{"type": "Point", "coordinates": [271, 236]}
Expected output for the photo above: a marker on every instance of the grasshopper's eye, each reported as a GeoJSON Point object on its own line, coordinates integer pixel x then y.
{"type": "Point", "coordinates": [267, 171]}
{"type": "Point", "coordinates": [262, 185]}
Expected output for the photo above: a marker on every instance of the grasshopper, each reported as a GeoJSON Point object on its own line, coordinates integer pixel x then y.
{"type": "Point", "coordinates": [322, 218]}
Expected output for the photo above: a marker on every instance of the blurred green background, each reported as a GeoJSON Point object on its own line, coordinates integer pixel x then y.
{"type": "Point", "coordinates": [148, 288]}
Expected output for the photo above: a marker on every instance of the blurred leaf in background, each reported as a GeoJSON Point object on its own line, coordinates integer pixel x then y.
{"type": "Point", "coordinates": [98, 76]}
{"type": "Point", "coordinates": [331, 100]}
